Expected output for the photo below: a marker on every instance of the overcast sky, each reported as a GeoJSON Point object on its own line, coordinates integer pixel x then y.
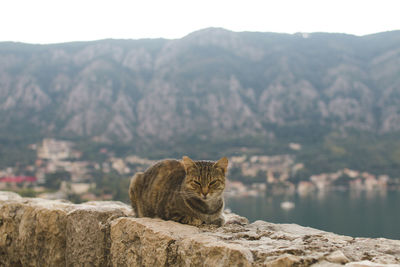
{"type": "Point", "coordinates": [54, 21]}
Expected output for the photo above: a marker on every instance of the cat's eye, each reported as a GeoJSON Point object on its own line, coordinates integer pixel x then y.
{"type": "Point", "coordinates": [197, 183]}
{"type": "Point", "coordinates": [213, 183]}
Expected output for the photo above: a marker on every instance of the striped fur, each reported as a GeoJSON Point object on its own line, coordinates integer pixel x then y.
{"type": "Point", "coordinates": [184, 191]}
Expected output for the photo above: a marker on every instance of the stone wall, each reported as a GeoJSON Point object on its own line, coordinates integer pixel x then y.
{"type": "Point", "coordinates": [37, 232]}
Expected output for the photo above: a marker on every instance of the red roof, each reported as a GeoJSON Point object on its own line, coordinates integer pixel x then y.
{"type": "Point", "coordinates": [17, 179]}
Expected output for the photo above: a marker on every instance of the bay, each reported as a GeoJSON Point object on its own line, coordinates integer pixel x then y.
{"type": "Point", "coordinates": [357, 214]}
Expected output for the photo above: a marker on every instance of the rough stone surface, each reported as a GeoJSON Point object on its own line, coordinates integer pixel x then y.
{"type": "Point", "coordinates": [32, 231]}
{"type": "Point", "coordinates": [337, 257]}
{"type": "Point", "coordinates": [37, 232]}
{"type": "Point", "coordinates": [88, 228]}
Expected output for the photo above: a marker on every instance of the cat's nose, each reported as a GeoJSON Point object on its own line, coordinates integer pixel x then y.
{"type": "Point", "coordinates": [204, 192]}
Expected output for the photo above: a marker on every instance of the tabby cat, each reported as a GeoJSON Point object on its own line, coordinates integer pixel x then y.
{"type": "Point", "coordinates": [185, 191]}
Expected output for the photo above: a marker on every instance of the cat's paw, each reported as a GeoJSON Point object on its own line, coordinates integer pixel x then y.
{"type": "Point", "coordinates": [188, 220]}
{"type": "Point", "coordinates": [219, 222]}
{"type": "Point", "coordinates": [195, 222]}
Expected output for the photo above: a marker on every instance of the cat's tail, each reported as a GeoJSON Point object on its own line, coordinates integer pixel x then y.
{"type": "Point", "coordinates": [132, 192]}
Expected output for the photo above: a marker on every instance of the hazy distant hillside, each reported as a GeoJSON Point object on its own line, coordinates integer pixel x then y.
{"type": "Point", "coordinates": [210, 85]}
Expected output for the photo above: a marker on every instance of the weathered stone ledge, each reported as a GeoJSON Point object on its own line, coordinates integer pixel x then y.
{"type": "Point", "coordinates": [37, 232]}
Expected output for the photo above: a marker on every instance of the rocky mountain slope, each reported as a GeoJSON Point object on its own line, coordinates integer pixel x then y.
{"type": "Point", "coordinates": [210, 85]}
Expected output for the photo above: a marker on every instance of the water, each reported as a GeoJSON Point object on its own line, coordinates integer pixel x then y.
{"type": "Point", "coordinates": [357, 214]}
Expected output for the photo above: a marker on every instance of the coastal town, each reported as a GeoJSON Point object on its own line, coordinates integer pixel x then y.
{"type": "Point", "coordinates": [59, 172]}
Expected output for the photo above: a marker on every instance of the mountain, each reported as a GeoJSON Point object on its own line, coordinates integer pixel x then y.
{"type": "Point", "coordinates": [212, 86]}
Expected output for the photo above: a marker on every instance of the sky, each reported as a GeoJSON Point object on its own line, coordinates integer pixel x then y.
{"type": "Point", "coordinates": [56, 21]}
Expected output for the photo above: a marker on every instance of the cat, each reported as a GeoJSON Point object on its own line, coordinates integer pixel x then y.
{"type": "Point", "coordinates": [186, 191]}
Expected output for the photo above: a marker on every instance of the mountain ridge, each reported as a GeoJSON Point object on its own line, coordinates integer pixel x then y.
{"type": "Point", "coordinates": [212, 85]}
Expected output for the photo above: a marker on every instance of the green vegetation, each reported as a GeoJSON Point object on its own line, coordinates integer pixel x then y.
{"type": "Point", "coordinates": [27, 192]}
{"type": "Point", "coordinates": [358, 151]}
{"type": "Point", "coordinates": [112, 183]}
{"type": "Point", "coordinates": [53, 180]}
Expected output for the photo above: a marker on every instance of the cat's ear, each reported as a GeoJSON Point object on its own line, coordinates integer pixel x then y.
{"type": "Point", "coordinates": [222, 164]}
{"type": "Point", "coordinates": [187, 163]}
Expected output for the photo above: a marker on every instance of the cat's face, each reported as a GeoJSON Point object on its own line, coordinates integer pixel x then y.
{"type": "Point", "coordinates": [205, 180]}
